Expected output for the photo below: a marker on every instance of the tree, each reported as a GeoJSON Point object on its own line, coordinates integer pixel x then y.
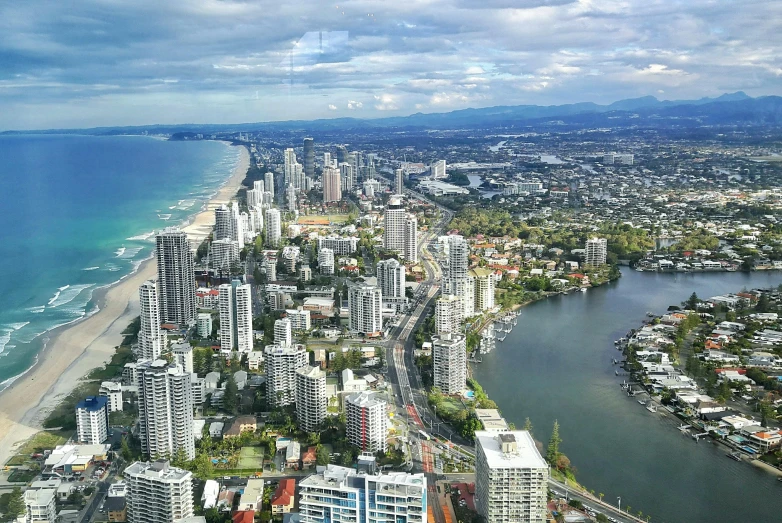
{"type": "Point", "coordinates": [527, 425]}
{"type": "Point", "coordinates": [230, 399]}
{"type": "Point", "coordinates": [12, 505]}
{"type": "Point", "coordinates": [552, 452]}
{"type": "Point", "coordinates": [127, 454]}
{"type": "Point", "coordinates": [692, 302]}
{"type": "Point", "coordinates": [76, 498]}
{"type": "Point", "coordinates": [322, 455]}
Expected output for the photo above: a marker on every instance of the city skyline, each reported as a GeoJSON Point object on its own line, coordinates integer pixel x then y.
{"type": "Point", "coordinates": [229, 62]}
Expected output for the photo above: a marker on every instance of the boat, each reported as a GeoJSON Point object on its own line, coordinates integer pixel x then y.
{"type": "Point", "coordinates": [639, 269]}
{"type": "Point", "coordinates": [684, 428]}
{"type": "Point", "coordinates": [650, 314]}
{"type": "Point", "coordinates": [651, 407]}
{"type": "Point", "coordinates": [583, 289]}
{"type": "Point", "coordinates": [734, 455]}
{"type": "Point", "coordinates": [642, 402]}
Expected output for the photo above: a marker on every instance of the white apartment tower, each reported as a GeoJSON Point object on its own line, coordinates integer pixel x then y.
{"type": "Point", "coordinates": [365, 304]}
{"type": "Point", "coordinates": [183, 356]}
{"type": "Point", "coordinates": [281, 364]}
{"type": "Point", "coordinates": [411, 239]}
{"type": "Point", "coordinates": [595, 252]}
{"type": "Point", "coordinates": [225, 254]}
{"type": "Point", "coordinates": [236, 316]}
{"type": "Point", "coordinates": [347, 176]}
{"type": "Point", "coordinates": [92, 420]}
{"type": "Point", "coordinates": [151, 340]}
{"type": "Point", "coordinates": [158, 493]}
{"type": "Point", "coordinates": [332, 186]}
{"type": "Point", "coordinates": [449, 361]}
{"type": "Point", "coordinates": [310, 398]}
{"type": "Point", "coordinates": [165, 405]}
{"type": "Point", "coordinates": [326, 260]}
{"type": "Point", "coordinates": [273, 227]}
{"type": "Point", "coordinates": [283, 335]}
{"type": "Point", "coordinates": [367, 421]}
{"type": "Point", "coordinates": [290, 197]}
{"type": "Point", "coordinates": [448, 314]}
{"type": "Point", "coordinates": [458, 281]}
{"type": "Point", "coordinates": [394, 227]}
{"type": "Point", "coordinates": [391, 278]}
{"type": "Point", "coordinates": [342, 494]}
{"type": "Point", "coordinates": [483, 288]}
{"type": "Point", "coordinates": [268, 183]}
{"type": "Point", "coordinates": [510, 477]}
{"type": "Point", "coordinates": [175, 278]}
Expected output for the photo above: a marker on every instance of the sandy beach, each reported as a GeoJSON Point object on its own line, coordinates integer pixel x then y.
{"type": "Point", "coordinates": [74, 350]}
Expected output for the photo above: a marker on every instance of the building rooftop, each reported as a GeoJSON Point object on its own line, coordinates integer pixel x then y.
{"type": "Point", "coordinates": [157, 469]}
{"type": "Point", "coordinates": [365, 399]}
{"type": "Point", "coordinates": [526, 454]}
{"type": "Point", "coordinates": [92, 403]}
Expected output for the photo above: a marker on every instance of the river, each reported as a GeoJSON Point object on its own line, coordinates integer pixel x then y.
{"type": "Point", "coordinates": [556, 364]}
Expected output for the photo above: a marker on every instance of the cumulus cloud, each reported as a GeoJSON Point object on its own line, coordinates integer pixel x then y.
{"type": "Point", "coordinates": [332, 107]}
{"type": "Point", "coordinates": [78, 64]}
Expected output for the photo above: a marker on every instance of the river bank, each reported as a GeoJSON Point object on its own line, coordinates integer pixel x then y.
{"type": "Point", "coordinates": [73, 350]}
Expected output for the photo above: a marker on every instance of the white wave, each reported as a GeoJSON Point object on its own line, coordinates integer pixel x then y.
{"type": "Point", "coordinates": [69, 294]}
{"type": "Point", "coordinates": [57, 294]}
{"type": "Point", "coordinates": [171, 207]}
{"type": "Point", "coordinates": [90, 268]}
{"type": "Point", "coordinates": [164, 216]}
{"type": "Point", "coordinates": [6, 331]}
{"type": "Point", "coordinates": [130, 252]}
{"type": "Point", "coordinates": [36, 310]}
{"type": "Point", "coordinates": [119, 252]}
{"type": "Point", "coordinates": [142, 237]}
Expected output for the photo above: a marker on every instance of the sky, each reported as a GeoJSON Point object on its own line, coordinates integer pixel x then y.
{"type": "Point", "coordinates": [85, 63]}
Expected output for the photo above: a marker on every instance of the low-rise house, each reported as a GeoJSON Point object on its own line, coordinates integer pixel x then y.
{"type": "Point", "coordinates": [252, 497]}
{"type": "Point", "coordinates": [293, 455]}
{"type": "Point", "coordinates": [116, 509]}
{"type": "Point", "coordinates": [309, 458]}
{"type": "Point", "coordinates": [225, 500]}
{"type": "Point", "coordinates": [241, 424]}
{"type": "Point", "coordinates": [284, 496]}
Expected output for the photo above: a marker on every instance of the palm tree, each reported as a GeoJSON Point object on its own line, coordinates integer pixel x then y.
{"type": "Point", "coordinates": [601, 496]}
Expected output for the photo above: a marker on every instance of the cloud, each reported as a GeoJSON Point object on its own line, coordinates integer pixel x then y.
{"type": "Point", "coordinates": [332, 107]}
{"type": "Point", "coordinates": [124, 62]}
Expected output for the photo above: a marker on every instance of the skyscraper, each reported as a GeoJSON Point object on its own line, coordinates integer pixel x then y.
{"type": "Point", "coordinates": [347, 176]}
{"type": "Point", "coordinates": [236, 318]}
{"type": "Point", "coordinates": [399, 181]}
{"type": "Point", "coordinates": [151, 341]}
{"type": "Point", "coordinates": [309, 157]}
{"type": "Point", "coordinates": [449, 361]}
{"type": "Point", "coordinates": [365, 303]}
{"type": "Point", "coordinates": [283, 332]}
{"type": "Point", "coordinates": [332, 187]}
{"type": "Point", "coordinates": [165, 409]}
{"type": "Point", "coordinates": [438, 169]}
{"type": "Point", "coordinates": [281, 364]}
{"type": "Point", "coordinates": [223, 223]}
{"type": "Point", "coordinates": [158, 493]}
{"type": "Point", "coordinates": [595, 251]}
{"type": "Point", "coordinates": [176, 278]}
{"type": "Point", "coordinates": [268, 183]}
{"type": "Point", "coordinates": [394, 227]}
{"type": "Point", "coordinates": [92, 420]}
{"type": "Point", "coordinates": [273, 227]}
{"type": "Point", "coordinates": [290, 197]}
{"type": "Point", "coordinates": [289, 167]}
{"type": "Point", "coordinates": [510, 477]}
{"type": "Point", "coordinates": [391, 278]}
{"type": "Point", "coordinates": [483, 288]}
{"type": "Point", "coordinates": [342, 154]}
{"type": "Point", "coordinates": [448, 314]}
{"type": "Point", "coordinates": [310, 398]}
{"type": "Point", "coordinates": [458, 281]}
{"type": "Point", "coordinates": [367, 421]}
{"type": "Point", "coordinates": [411, 238]}
{"type": "Point", "coordinates": [326, 260]}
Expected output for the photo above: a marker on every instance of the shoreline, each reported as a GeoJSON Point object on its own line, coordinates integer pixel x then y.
{"type": "Point", "coordinates": [71, 351]}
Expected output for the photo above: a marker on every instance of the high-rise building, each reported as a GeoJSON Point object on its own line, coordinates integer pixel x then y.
{"type": "Point", "coordinates": [175, 277]}
{"type": "Point", "coordinates": [223, 223]}
{"type": "Point", "coordinates": [367, 421]}
{"type": "Point", "coordinates": [399, 181]}
{"type": "Point", "coordinates": [595, 252]}
{"type": "Point", "coordinates": [510, 477]}
{"type": "Point", "coordinates": [394, 227]}
{"type": "Point", "coordinates": [449, 361]}
{"type": "Point", "coordinates": [458, 281]}
{"type": "Point", "coordinates": [310, 398]}
{"type": "Point", "coordinates": [365, 303]}
{"type": "Point", "coordinates": [342, 154]}
{"type": "Point", "coordinates": [309, 157]}
{"type": "Point", "coordinates": [236, 317]}
{"type": "Point", "coordinates": [183, 355]}
{"type": "Point", "coordinates": [151, 340]}
{"type": "Point", "coordinates": [300, 319]}
{"type": "Point", "coordinates": [391, 278]}
{"type": "Point", "coordinates": [347, 176]}
{"type": "Point", "coordinates": [92, 420]}
{"type": "Point", "coordinates": [112, 391]}
{"type": "Point", "coordinates": [483, 288]}
{"type": "Point", "coordinates": [411, 238]}
{"type": "Point", "coordinates": [40, 505]}
{"type": "Point", "coordinates": [158, 493]}
{"type": "Point", "coordinates": [448, 314]}
{"type": "Point", "coordinates": [281, 364]}
{"type": "Point", "coordinates": [225, 254]}
{"type": "Point", "coordinates": [204, 322]}
{"type": "Point", "coordinates": [283, 332]}
{"type": "Point", "coordinates": [342, 494]}
{"type": "Point", "coordinates": [268, 183]}
{"type": "Point", "coordinates": [326, 261]}
{"type": "Point", "coordinates": [332, 186]}
{"type": "Point", "coordinates": [273, 227]}
{"type": "Point", "coordinates": [438, 169]}
{"type": "Point", "coordinates": [289, 167]}
{"type": "Point", "coordinates": [338, 244]}
{"type": "Point", "coordinates": [165, 409]}
{"type": "Point", "coordinates": [290, 197]}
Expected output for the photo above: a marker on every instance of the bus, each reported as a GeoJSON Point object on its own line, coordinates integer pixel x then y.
{"type": "Point", "coordinates": [424, 435]}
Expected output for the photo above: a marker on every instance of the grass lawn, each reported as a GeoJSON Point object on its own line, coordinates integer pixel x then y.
{"type": "Point", "coordinates": [22, 476]}
{"type": "Point", "coordinates": [450, 406]}
{"type": "Point", "coordinates": [251, 457]}
{"type": "Point", "coordinates": [44, 440]}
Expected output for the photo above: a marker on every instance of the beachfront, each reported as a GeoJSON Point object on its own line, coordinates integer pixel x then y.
{"type": "Point", "coordinates": [75, 349]}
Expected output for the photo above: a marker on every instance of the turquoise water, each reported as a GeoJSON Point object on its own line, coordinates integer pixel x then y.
{"type": "Point", "coordinates": [78, 213]}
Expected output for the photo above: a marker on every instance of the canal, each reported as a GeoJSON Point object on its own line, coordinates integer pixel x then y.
{"type": "Point", "coordinates": [556, 365]}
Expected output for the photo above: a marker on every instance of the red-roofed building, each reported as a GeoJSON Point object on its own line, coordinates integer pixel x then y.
{"type": "Point", "coordinates": [284, 496]}
{"type": "Point", "coordinates": [243, 516]}
{"type": "Point", "coordinates": [309, 458]}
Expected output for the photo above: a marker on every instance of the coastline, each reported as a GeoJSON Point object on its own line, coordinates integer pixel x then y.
{"type": "Point", "coordinates": [73, 350]}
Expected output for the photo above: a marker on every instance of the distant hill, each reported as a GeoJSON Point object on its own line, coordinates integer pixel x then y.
{"type": "Point", "coordinates": [731, 108]}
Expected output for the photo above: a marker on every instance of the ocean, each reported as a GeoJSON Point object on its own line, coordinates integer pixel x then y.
{"type": "Point", "coordinates": [79, 213]}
